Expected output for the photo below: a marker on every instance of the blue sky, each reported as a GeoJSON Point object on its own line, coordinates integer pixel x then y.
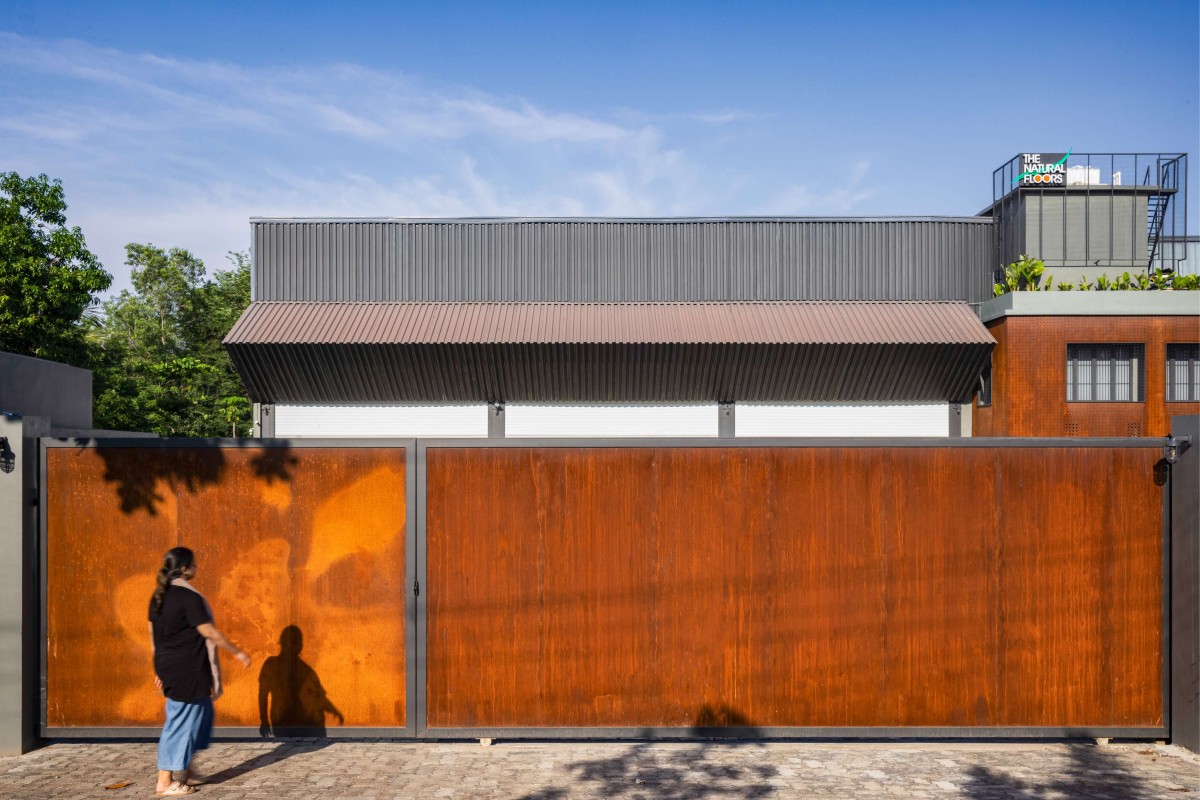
{"type": "Point", "coordinates": [175, 123]}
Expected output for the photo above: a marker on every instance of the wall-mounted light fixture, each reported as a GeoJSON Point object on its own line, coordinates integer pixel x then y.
{"type": "Point", "coordinates": [8, 459]}
{"type": "Point", "coordinates": [1174, 447]}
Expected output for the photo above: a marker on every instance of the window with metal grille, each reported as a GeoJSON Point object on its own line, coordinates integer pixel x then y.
{"type": "Point", "coordinates": [1183, 373]}
{"type": "Point", "coordinates": [1105, 373]}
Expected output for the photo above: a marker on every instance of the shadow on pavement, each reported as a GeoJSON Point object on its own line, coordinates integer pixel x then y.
{"type": "Point", "coordinates": [1092, 773]}
{"type": "Point", "coordinates": [282, 751]}
{"type": "Point", "coordinates": [647, 771]}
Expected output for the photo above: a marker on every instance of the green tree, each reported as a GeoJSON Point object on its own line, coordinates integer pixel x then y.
{"type": "Point", "coordinates": [48, 278]}
{"type": "Point", "coordinates": [162, 367]}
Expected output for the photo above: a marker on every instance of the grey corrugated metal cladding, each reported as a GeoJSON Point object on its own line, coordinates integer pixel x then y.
{"type": "Point", "coordinates": [624, 260]}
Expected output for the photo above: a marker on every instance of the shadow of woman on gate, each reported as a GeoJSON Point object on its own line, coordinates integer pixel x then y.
{"type": "Point", "coordinates": [291, 703]}
{"type": "Point", "coordinates": [291, 699]}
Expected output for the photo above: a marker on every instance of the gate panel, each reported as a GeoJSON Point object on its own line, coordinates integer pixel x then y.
{"type": "Point", "coordinates": [301, 552]}
{"type": "Point", "coordinates": [654, 587]}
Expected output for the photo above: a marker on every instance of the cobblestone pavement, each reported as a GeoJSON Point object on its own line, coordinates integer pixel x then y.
{"type": "Point", "coordinates": [388, 770]}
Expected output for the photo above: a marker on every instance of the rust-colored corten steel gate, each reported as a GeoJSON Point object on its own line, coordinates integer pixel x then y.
{"type": "Point", "coordinates": [302, 552]}
{"type": "Point", "coordinates": [647, 588]}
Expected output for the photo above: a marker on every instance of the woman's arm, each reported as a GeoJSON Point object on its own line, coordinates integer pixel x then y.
{"type": "Point", "coordinates": [215, 637]}
{"type": "Point", "coordinates": [215, 663]}
{"type": "Point", "coordinates": [157, 680]}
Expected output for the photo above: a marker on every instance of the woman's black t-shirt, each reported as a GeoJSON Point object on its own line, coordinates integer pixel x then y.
{"type": "Point", "coordinates": [180, 653]}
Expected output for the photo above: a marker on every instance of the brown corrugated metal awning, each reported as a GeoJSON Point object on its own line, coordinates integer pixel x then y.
{"type": "Point", "coordinates": [609, 323]}
{"type": "Point", "coordinates": [577, 352]}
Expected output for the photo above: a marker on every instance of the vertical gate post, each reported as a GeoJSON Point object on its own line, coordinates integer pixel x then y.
{"type": "Point", "coordinates": [20, 665]}
{"type": "Point", "coordinates": [1185, 587]}
{"type": "Point", "coordinates": [412, 580]}
{"type": "Point", "coordinates": [420, 683]}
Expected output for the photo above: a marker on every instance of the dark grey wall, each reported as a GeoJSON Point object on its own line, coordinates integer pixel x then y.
{"type": "Point", "coordinates": [32, 386]}
{"type": "Point", "coordinates": [19, 614]}
{"type": "Point", "coordinates": [1080, 229]}
{"type": "Point", "coordinates": [1185, 589]}
{"type": "Point", "coordinates": [624, 260]}
{"type": "Point", "coordinates": [1076, 227]}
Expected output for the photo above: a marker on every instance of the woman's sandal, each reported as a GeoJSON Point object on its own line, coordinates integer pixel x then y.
{"type": "Point", "coordinates": [177, 789]}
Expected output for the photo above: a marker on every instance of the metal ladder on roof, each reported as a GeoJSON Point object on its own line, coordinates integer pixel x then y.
{"type": "Point", "coordinates": [1157, 205]}
{"type": "Point", "coordinates": [1156, 212]}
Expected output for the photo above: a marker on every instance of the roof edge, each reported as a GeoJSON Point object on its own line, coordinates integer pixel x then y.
{"type": "Point", "coordinates": [579, 303]}
{"type": "Point", "coordinates": [1120, 303]}
{"type": "Point", "coordinates": [632, 220]}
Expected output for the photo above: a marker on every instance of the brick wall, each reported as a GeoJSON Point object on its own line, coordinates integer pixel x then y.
{"type": "Point", "coordinates": [1029, 377]}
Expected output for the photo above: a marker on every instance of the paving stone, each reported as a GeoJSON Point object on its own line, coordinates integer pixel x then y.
{"type": "Point", "coordinates": [400, 770]}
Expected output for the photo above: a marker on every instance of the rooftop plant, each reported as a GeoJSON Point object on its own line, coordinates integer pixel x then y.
{"type": "Point", "coordinates": [1029, 275]}
{"type": "Point", "coordinates": [1023, 275]}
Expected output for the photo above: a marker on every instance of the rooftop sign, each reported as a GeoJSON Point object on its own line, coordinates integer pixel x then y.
{"type": "Point", "coordinates": [1043, 169]}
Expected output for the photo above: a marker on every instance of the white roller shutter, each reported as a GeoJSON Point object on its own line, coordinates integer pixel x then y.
{"type": "Point", "coordinates": [844, 420]}
{"type": "Point", "coordinates": [400, 421]}
{"type": "Point", "coordinates": [634, 420]}
{"type": "Point", "coordinates": [610, 420]}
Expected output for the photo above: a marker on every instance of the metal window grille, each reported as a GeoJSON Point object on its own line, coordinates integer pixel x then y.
{"type": "Point", "coordinates": [1105, 373]}
{"type": "Point", "coordinates": [1183, 373]}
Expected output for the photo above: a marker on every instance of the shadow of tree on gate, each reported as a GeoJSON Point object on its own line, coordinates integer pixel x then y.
{"type": "Point", "coordinates": [647, 771]}
{"type": "Point", "coordinates": [189, 466]}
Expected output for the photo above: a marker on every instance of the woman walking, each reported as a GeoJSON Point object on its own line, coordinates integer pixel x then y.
{"type": "Point", "coordinates": [184, 642]}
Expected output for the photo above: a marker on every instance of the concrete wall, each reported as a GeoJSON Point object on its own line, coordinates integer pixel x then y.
{"type": "Point", "coordinates": [19, 630]}
{"type": "Point", "coordinates": [1185, 589]}
{"type": "Point", "coordinates": [32, 386]}
{"type": "Point", "coordinates": [37, 398]}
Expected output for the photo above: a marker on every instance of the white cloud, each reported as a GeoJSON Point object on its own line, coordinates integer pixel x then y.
{"type": "Point", "coordinates": [182, 153]}
{"type": "Point", "coordinates": [802, 200]}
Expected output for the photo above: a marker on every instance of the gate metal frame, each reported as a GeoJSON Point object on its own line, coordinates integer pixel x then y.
{"type": "Point", "coordinates": [416, 630]}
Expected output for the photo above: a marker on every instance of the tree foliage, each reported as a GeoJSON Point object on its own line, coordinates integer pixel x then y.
{"type": "Point", "coordinates": [161, 366]}
{"type": "Point", "coordinates": [155, 352]}
{"type": "Point", "coordinates": [48, 278]}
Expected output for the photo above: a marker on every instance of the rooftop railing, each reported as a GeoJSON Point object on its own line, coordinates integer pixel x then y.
{"type": "Point", "coordinates": [1161, 178]}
